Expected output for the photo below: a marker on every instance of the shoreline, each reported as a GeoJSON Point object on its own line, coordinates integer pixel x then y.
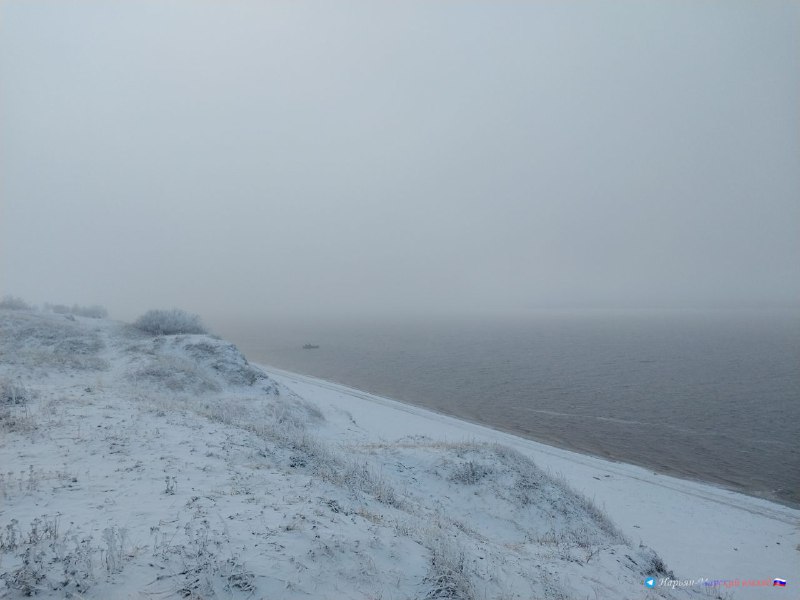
{"type": "Point", "coordinates": [701, 530]}
{"type": "Point", "coordinates": [512, 438]}
{"type": "Point", "coordinates": [664, 471]}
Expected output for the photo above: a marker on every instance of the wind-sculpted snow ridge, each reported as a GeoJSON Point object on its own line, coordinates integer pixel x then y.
{"type": "Point", "coordinates": [169, 467]}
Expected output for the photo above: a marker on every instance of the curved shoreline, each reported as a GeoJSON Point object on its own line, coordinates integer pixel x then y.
{"type": "Point", "coordinates": [665, 471]}
{"type": "Point", "coordinates": [700, 529]}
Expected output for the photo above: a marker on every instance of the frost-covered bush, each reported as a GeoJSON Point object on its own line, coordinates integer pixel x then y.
{"type": "Point", "coordinates": [12, 394]}
{"type": "Point", "coordinates": [653, 564]}
{"type": "Point", "coordinates": [448, 577]}
{"type": "Point", "coordinates": [27, 578]}
{"type": "Point", "coordinates": [192, 552]}
{"type": "Point", "coordinates": [14, 413]}
{"type": "Point", "coordinates": [470, 472]}
{"type": "Point", "coordinates": [14, 303]}
{"type": "Point", "coordinates": [46, 560]}
{"type": "Point", "coordinates": [169, 322]}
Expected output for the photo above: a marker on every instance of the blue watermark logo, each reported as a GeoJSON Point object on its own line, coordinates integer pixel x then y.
{"type": "Point", "coordinates": [652, 582]}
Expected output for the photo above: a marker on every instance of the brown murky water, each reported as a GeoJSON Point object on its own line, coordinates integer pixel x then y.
{"type": "Point", "coordinates": [709, 396]}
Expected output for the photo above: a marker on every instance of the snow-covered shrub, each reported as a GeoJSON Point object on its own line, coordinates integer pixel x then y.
{"type": "Point", "coordinates": [469, 472]}
{"type": "Point", "coordinates": [448, 577]}
{"type": "Point", "coordinates": [29, 577]}
{"type": "Point", "coordinates": [35, 553]}
{"type": "Point", "coordinates": [12, 394]}
{"type": "Point", "coordinates": [573, 544]}
{"type": "Point", "coordinates": [114, 555]}
{"type": "Point", "coordinates": [653, 565]}
{"type": "Point", "coordinates": [78, 565]}
{"type": "Point", "coordinates": [169, 322]}
{"type": "Point", "coordinates": [14, 303]}
{"type": "Point", "coordinates": [11, 538]}
{"type": "Point", "coordinates": [192, 552]}
{"type": "Point", "coordinates": [170, 484]}
{"type": "Point", "coordinates": [14, 413]}
{"type": "Point", "coordinates": [18, 419]}
{"type": "Point", "coordinates": [237, 575]}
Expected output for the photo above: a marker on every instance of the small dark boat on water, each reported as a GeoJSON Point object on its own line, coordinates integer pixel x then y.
{"type": "Point", "coordinates": [310, 347]}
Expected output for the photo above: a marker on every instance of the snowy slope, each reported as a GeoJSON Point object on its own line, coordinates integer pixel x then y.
{"type": "Point", "coordinates": [701, 531]}
{"type": "Point", "coordinates": [134, 466]}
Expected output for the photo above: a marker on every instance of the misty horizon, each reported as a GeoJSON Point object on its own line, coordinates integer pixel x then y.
{"type": "Point", "coordinates": [302, 159]}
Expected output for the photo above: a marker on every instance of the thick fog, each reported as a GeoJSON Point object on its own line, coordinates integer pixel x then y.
{"type": "Point", "coordinates": [340, 157]}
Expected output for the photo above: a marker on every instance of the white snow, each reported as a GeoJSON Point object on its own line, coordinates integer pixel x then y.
{"type": "Point", "coordinates": [700, 530]}
{"type": "Point", "coordinates": [164, 467]}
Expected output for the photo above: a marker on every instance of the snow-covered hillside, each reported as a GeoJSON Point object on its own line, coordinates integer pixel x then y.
{"type": "Point", "coordinates": [136, 466]}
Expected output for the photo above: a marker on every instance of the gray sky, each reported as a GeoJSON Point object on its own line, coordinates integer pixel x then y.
{"type": "Point", "coordinates": [286, 156]}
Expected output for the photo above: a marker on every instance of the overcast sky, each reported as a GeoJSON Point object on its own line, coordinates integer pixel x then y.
{"type": "Point", "coordinates": [268, 157]}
